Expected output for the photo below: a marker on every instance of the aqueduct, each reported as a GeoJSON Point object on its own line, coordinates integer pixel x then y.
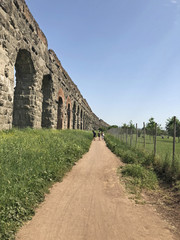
{"type": "Point", "coordinates": [42, 94]}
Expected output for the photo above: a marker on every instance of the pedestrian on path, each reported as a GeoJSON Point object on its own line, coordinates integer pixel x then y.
{"type": "Point", "coordinates": [94, 135]}
{"type": "Point", "coordinates": [102, 135]}
{"type": "Point", "coordinates": [99, 135]}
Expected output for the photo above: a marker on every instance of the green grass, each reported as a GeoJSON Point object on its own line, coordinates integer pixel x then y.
{"type": "Point", "coordinates": [30, 162]}
{"type": "Point", "coordinates": [164, 146]}
{"type": "Point", "coordinates": [142, 177]}
{"type": "Point", "coordinates": [163, 163]}
{"type": "Point", "coordinates": [142, 165]}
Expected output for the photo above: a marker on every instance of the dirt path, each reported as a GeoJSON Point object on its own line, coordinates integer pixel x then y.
{"type": "Point", "coordinates": [91, 204]}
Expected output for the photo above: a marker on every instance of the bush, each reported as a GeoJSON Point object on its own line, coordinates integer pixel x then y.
{"type": "Point", "coordinates": [142, 177]}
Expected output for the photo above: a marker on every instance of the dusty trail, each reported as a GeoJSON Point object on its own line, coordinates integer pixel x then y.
{"type": "Point", "coordinates": [91, 204]}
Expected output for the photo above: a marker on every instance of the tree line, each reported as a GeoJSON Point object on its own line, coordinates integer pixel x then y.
{"type": "Point", "coordinates": [151, 126]}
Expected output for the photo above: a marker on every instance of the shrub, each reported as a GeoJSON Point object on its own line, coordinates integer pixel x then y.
{"type": "Point", "coordinates": [143, 177]}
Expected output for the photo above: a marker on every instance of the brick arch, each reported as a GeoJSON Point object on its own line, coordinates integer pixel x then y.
{"type": "Point", "coordinates": [68, 102]}
{"type": "Point", "coordinates": [60, 94]}
{"type": "Point", "coordinates": [81, 119]}
{"type": "Point", "coordinates": [84, 120]}
{"type": "Point", "coordinates": [69, 109]}
{"type": "Point", "coordinates": [74, 112]}
{"type": "Point", "coordinates": [78, 113]}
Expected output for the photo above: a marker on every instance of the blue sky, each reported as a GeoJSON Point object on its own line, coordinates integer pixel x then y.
{"type": "Point", "coordinates": [124, 56]}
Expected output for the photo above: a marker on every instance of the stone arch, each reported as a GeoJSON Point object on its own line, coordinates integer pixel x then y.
{"type": "Point", "coordinates": [78, 111]}
{"type": "Point", "coordinates": [81, 116]}
{"type": "Point", "coordinates": [68, 113]}
{"type": "Point", "coordinates": [46, 103]}
{"type": "Point", "coordinates": [60, 115]}
{"type": "Point", "coordinates": [74, 115]}
{"type": "Point", "coordinates": [23, 108]}
{"type": "Point", "coordinates": [60, 112]}
{"type": "Point", "coordinates": [84, 121]}
{"type": "Point", "coordinates": [61, 94]}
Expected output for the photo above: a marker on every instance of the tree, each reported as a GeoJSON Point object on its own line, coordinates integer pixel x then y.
{"type": "Point", "coordinates": [124, 126]}
{"type": "Point", "coordinates": [112, 126]}
{"type": "Point", "coordinates": [150, 127]}
{"type": "Point", "coordinates": [103, 129]}
{"type": "Point", "coordinates": [170, 127]}
{"type": "Point", "coordinates": [131, 126]}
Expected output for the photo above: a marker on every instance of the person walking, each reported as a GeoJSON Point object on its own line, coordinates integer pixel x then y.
{"type": "Point", "coordinates": [94, 135]}
{"type": "Point", "coordinates": [99, 135]}
{"type": "Point", "coordinates": [102, 135]}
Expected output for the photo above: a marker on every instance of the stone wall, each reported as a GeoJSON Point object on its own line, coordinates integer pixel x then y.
{"type": "Point", "coordinates": [35, 90]}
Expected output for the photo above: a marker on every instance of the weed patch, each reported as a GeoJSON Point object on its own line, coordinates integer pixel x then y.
{"type": "Point", "coordinates": [138, 172]}
{"type": "Point", "coordinates": [142, 177]}
{"type": "Point", "coordinates": [164, 167]}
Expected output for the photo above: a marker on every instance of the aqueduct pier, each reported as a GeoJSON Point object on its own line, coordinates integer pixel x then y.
{"type": "Point", "coordinates": [43, 94]}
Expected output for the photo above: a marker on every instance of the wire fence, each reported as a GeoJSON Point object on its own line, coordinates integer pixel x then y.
{"type": "Point", "coordinates": [156, 144]}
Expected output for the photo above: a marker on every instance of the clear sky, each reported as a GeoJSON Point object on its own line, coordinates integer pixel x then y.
{"type": "Point", "coordinates": [124, 56]}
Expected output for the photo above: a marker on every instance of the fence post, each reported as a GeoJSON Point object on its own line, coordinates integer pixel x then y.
{"type": "Point", "coordinates": [174, 139]}
{"type": "Point", "coordinates": [136, 134]}
{"type": "Point", "coordinates": [126, 134]}
{"type": "Point", "coordinates": [155, 139]}
{"type": "Point", "coordinates": [144, 135]}
{"type": "Point", "coordinates": [131, 137]}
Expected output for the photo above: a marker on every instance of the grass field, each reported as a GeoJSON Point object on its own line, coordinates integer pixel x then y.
{"type": "Point", "coordinates": [164, 145]}
{"type": "Point", "coordinates": [30, 162]}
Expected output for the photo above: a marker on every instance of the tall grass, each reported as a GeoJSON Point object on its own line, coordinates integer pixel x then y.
{"type": "Point", "coordinates": [162, 163]}
{"type": "Point", "coordinates": [141, 159]}
{"type": "Point", "coordinates": [30, 161]}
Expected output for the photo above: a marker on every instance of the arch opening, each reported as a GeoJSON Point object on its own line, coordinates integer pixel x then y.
{"type": "Point", "coordinates": [68, 116]}
{"type": "Point", "coordinates": [74, 115]}
{"type": "Point", "coordinates": [81, 127]}
{"type": "Point", "coordinates": [78, 118]}
{"type": "Point", "coordinates": [23, 100]}
{"type": "Point", "coordinates": [60, 114]}
{"type": "Point", "coordinates": [46, 103]}
{"type": "Point", "coordinates": [84, 121]}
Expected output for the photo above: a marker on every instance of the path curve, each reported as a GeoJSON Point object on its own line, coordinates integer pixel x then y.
{"type": "Point", "coordinates": [91, 204]}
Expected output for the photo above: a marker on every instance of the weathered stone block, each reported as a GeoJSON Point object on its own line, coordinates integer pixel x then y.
{"type": "Point", "coordinates": [44, 95]}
